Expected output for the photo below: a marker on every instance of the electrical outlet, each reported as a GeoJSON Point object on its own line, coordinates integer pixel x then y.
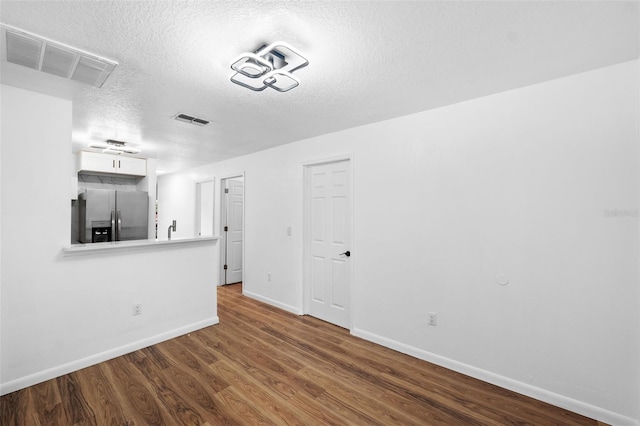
{"type": "Point", "coordinates": [137, 309]}
{"type": "Point", "coordinates": [433, 319]}
{"type": "Point", "coordinates": [269, 276]}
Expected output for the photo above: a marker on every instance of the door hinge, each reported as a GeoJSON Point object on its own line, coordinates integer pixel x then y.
{"type": "Point", "coordinates": [226, 229]}
{"type": "Point", "coordinates": [226, 190]}
{"type": "Point", "coordinates": [225, 267]}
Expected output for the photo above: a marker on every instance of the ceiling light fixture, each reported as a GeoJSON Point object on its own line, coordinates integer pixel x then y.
{"type": "Point", "coordinates": [41, 54]}
{"type": "Point", "coordinates": [114, 147]}
{"type": "Point", "coordinates": [269, 66]}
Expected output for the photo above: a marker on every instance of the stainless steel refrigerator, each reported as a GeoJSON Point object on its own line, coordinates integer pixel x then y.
{"type": "Point", "coordinates": [112, 215]}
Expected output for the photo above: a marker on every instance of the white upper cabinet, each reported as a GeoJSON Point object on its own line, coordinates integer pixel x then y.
{"type": "Point", "coordinates": [108, 163]}
{"type": "Point", "coordinates": [132, 166]}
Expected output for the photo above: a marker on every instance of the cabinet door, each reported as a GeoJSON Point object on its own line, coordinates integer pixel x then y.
{"type": "Point", "coordinates": [132, 166]}
{"type": "Point", "coordinates": [96, 162]}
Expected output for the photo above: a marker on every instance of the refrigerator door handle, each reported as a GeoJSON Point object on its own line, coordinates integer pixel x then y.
{"type": "Point", "coordinates": [119, 230]}
{"type": "Point", "coordinates": [113, 226]}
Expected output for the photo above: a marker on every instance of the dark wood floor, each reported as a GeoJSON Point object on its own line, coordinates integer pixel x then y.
{"type": "Point", "coordinates": [261, 365]}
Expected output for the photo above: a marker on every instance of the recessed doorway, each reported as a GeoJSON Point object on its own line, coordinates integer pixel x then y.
{"type": "Point", "coordinates": [232, 229]}
{"type": "Point", "coordinates": [204, 208]}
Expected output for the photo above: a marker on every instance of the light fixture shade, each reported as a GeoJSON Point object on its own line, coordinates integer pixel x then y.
{"type": "Point", "coordinates": [255, 84]}
{"type": "Point", "coordinates": [281, 81]}
{"type": "Point", "coordinates": [114, 147]}
{"type": "Point", "coordinates": [294, 60]}
{"type": "Point", "coordinates": [251, 65]}
{"type": "Point", "coordinates": [269, 66]}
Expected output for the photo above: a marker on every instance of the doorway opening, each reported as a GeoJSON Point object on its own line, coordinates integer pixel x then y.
{"type": "Point", "coordinates": [232, 229]}
{"type": "Point", "coordinates": [204, 208]}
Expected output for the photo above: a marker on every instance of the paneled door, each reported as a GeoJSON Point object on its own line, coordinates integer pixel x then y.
{"type": "Point", "coordinates": [327, 239]}
{"type": "Point", "coordinates": [234, 230]}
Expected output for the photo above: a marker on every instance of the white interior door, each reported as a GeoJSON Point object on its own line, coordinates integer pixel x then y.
{"type": "Point", "coordinates": [234, 230]}
{"type": "Point", "coordinates": [205, 208]}
{"type": "Point", "coordinates": [328, 269]}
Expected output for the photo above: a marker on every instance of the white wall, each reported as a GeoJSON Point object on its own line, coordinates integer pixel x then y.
{"type": "Point", "coordinates": [59, 314]}
{"type": "Point", "coordinates": [517, 183]}
{"type": "Point", "coordinates": [148, 184]}
{"type": "Point", "coordinates": [177, 201]}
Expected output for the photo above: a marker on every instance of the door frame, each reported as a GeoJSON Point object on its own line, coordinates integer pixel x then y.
{"type": "Point", "coordinates": [305, 283]}
{"type": "Point", "coordinates": [223, 237]}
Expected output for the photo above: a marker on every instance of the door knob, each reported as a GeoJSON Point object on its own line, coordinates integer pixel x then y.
{"type": "Point", "coordinates": [346, 253]}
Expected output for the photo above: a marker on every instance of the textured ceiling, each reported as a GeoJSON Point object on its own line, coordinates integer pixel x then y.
{"type": "Point", "coordinates": [369, 61]}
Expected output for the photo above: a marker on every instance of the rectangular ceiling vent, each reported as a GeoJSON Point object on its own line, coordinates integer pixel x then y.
{"type": "Point", "coordinates": [41, 54]}
{"type": "Point", "coordinates": [191, 119]}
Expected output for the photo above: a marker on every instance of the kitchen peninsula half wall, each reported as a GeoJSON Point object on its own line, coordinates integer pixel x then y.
{"type": "Point", "coordinates": [62, 313]}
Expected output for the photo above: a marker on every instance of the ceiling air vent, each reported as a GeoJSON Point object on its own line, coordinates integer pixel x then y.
{"type": "Point", "coordinates": [41, 54]}
{"type": "Point", "coordinates": [190, 119]}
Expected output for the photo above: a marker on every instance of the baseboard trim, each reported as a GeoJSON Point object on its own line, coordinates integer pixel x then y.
{"type": "Point", "coordinates": [70, 367]}
{"type": "Point", "coordinates": [576, 406]}
{"type": "Point", "coordinates": [272, 302]}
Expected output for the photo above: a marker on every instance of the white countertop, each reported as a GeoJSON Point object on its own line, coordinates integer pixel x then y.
{"type": "Point", "coordinates": [78, 249]}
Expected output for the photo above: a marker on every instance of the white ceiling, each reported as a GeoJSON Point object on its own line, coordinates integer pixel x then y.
{"type": "Point", "coordinates": [369, 61]}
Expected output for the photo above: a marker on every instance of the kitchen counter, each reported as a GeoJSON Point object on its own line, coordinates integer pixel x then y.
{"type": "Point", "coordinates": [95, 248]}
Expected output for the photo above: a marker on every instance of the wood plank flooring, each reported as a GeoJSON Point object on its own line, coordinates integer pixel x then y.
{"type": "Point", "coordinates": [264, 366]}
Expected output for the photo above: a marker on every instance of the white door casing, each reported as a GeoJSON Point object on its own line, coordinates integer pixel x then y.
{"type": "Point", "coordinates": [327, 283]}
{"type": "Point", "coordinates": [234, 230]}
